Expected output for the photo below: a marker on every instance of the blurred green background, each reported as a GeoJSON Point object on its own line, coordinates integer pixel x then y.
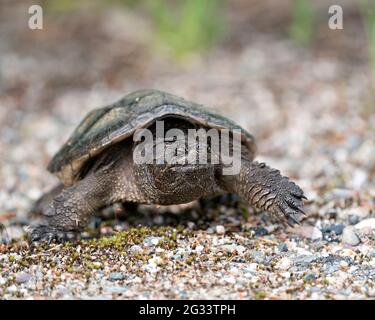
{"type": "Point", "coordinates": [194, 26]}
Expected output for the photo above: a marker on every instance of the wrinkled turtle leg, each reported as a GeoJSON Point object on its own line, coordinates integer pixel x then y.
{"type": "Point", "coordinates": [265, 188]}
{"type": "Point", "coordinates": [70, 211]}
{"type": "Point", "coordinates": [41, 204]}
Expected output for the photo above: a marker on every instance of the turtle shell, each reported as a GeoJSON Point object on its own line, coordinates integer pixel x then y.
{"type": "Point", "coordinates": [106, 126]}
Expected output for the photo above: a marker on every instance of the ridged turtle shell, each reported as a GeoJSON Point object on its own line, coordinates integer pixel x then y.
{"type": "Point", "coordinates": [106, 126]}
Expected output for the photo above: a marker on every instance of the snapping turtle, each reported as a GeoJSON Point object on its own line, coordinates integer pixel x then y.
{"type": "Point", "coordinates": [97, 166]}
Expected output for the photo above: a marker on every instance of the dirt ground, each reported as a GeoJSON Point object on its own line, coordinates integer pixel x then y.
{"type": "Point", "coordinates": [311, 110]}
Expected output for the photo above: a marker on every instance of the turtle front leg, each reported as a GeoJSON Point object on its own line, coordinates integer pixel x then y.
{"type": "Point", "coordinates": [265, 188]}
{"type": "Point", "coordinates": [70, 211]}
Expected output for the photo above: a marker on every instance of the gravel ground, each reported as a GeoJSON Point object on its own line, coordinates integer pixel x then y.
{"type": "Point", "coordinates": [313, 117]}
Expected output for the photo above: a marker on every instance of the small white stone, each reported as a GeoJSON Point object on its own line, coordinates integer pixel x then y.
{"type": "Point", "coordinates": [359, 179]}
{"type": "Point", "coordinates": [372, 262]}
{"type": "Point", "coordinates": [253, 267]}
{"type": "Point", "coordinates": [152, 241]}
{"type": "Point", "coordinates": [12, 288]}
{"type": "Point", "coordinates": [230, 279]}
{"type": "Point", "coordinates": [284, 264]}
{"type": "Point", "coordinates": [316, 234]}
{"type": "Point", "coordinates": [302, 251]}
{"type": "Point", "coordinates": [344, 265]}
{"type": "Point", "coordinates": [135, 248]}
{"type": "Point", "coordinates": [220, 229]}
{"type": "Point", "coordinates": [315, 296]}
{"type": "Point", "coordinates": [34, 193]}
{"type": "Point", "coordinates": [309, 232]}
{"type": "Point", "coordinates": [155, 241]}
{"type": "Point", "coordinates": [348, 253]}
{"type": "Point", "coordinates": [350, 237]}
{"type": "Point", "coordinates": [367, 223]}
{"type": "Point", "coordinates": [22, 277]}
{"type": "Point", "coordinates": [199, 248]}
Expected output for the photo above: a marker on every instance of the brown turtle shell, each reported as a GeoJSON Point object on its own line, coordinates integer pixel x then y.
{"type": "Point", "coordinates": [106, 126]}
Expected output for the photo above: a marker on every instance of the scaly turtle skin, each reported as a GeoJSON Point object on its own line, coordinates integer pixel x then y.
{"type": "Point", "coordinates": [97, 169]}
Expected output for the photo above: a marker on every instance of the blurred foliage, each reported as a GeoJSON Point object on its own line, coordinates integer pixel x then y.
{"type": "Point", "coordinates": [368, 9]}
{"type": "Point", "coordinates": [64, 5]}
{"type": "Point", "coordinates": [186, 26]}
{"type": "Point", "coordinates": [302, 27]}
{"type": "Point", "coordinates": [183, 26]}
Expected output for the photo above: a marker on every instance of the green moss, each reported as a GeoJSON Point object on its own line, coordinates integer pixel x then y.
{"type": "Point", "coordinates": [245, 212]}
{"type": "Point", "coordinates": [70, 269]}
{"type": "Point", "coordinates": [186, 27]}
{"type": "Point", "coordinates": [136, 236]}
{"type": "Point", "coordinates": [260, 295]}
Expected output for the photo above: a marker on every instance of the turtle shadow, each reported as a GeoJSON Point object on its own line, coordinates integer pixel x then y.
{"type": "Point", "coordinates": [202, 214]}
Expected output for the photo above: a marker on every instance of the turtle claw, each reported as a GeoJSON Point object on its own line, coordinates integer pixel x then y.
{"type": "Point", "coordinates": [294, 219]}
{"type": "Point", "coordinates": [302, 212]}
{"type": "Point", "coordinates": [48, 234]}
{"type": "Point", "coordinates": [288, 205]}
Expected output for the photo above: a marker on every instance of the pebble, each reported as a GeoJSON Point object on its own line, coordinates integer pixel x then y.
{"type": "Point", "coordinates": [344, 265]}
{"type": "Point", "coordinates": [61, 291]}
{"type": "Point", "coordinates": [310, 277]}
{"type": "Point", "coordinates": [220, 229]}
{"type": "Point", "coordinates": [34, 194]}
{"type": "Point", "coordinates": [347, 253]}
{"type": "Point", "coordinates": [135, 248]}
{"type": "Point", "coordinates": [22, 277]}
{"type": "Point", "coordinates": [199, 249]}
{"type": "Point", "coordinates": [282, 247]}
{"type": "Point", "coordinates": [117, 289]}
{"type": "Point", "coordinates": [240, 249]}
{"type": "Point", "coordinates": [367, 223]}
{"type": "Point", "coordinates": [258, 257]}
{"type": "Point", "coordinates": [152, 265]}
{"type": "Point", "coordinates": [230, 279]}
{"type": "Point", "coordinates": [350, 237]}
{"type": "Point", "coordinates": [253, 267]}
{"type": "Point", "coordinates": [284, 264]}
{"type": "Point", "coordinates": [260, 231]}
{"type": "Point", "coordinates": [340, 193]}
{"type": "Point", "coordinates": [352, 219]}
{"type": "Point", "coordinates": [116, 276]}
{"type": "Point", "coordinates": [152, 241]}
{"type": "Point", "coordinates": [12, 288]}
{"type": "Point", "coordinates": [372, 263]}
{"type": "Point", "coordinates": [309, 232]}
{"type": "Point", "coordinates": [359, 212]}
{"type": "Point", "coordinates": [336, 228]}
{"type": "Point", "coordinates": [359, 179]}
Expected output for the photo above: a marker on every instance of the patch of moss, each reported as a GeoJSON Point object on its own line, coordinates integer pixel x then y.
{"type": "Point", "coordinates": [260, 295]}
